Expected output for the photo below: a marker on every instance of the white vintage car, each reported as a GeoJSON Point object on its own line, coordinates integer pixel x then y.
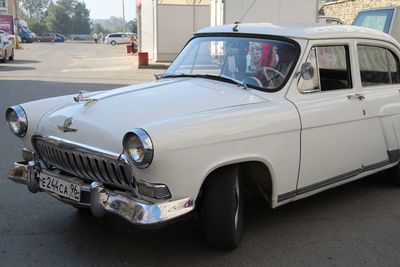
{"type": "Point", "coordinates": [286, 112]}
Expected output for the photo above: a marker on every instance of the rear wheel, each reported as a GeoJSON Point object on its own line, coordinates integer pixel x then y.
{"type": "Point", "coordinates": [394, 174]}
{"type": "Point", "coordinates": [223, 208]}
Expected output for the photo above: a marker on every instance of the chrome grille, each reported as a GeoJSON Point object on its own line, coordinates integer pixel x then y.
{"type": "Point", "coordinates": [84, 161]}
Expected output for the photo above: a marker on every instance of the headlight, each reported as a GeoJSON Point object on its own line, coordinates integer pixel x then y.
{"type": "Point", "coordinates": [17, 120]}
{"type": "Point", "coordinates": [138, 147]}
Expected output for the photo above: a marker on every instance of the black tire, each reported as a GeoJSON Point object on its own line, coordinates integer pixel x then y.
{"type": "Point", "coordinates": [223, 208]}
{"type": "Point", "coordinates": [113, 43]}
{"type": "Point", "coordinates": [82, 210]}
{"type": "Point", "coordinates": [11, 58]}
{"type": "Point", "coordinates": [394, 174]}
{"type": "Point", "coordinates": [23, 40]}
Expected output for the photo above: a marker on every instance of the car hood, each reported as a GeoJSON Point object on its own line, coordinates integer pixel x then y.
{"type": "Point", "coordinates": [103, 122]}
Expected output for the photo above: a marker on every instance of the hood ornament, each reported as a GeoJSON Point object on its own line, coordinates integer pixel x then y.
{"type": "Point", "coordinates": [81, 98]}
{"type": "Point", "coordinates": [65, 128]}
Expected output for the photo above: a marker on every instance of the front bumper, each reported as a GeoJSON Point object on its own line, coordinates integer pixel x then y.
{"type": "Point", "coordinates": [101, 200]}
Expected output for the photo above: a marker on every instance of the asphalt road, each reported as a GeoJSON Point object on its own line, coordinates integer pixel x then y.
{"type": "Point", "coordinates": [353, 225]}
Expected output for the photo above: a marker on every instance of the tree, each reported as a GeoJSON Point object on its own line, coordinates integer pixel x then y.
{"type": "Point", "coordinates": [80, 19]}
{"type": "Point", "coordinates": [37, 26]}
{"type": "Point", "coordinates": [98, 28]}
{"type": "Point", "coordinates": [34, 9]}
{"type": "Point", "coordinates": [68, 5]}
{"type": "Point", "coordinates": [58, 20]}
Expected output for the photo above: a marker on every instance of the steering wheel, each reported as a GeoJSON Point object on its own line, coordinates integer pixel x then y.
{"type": "Point", "coordinates": [270, 76]}
{"type": "Point", "coordinates": [253, 81]}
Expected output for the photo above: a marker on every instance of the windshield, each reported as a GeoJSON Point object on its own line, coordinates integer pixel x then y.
{"type": "Point", "coordinates": [375, 19]}
{"type": "Point", "coordinates": [262, 64]}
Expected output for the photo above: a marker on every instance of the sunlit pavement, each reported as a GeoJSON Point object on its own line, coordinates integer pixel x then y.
{"type": "Point", "coordinates": [75, 62]}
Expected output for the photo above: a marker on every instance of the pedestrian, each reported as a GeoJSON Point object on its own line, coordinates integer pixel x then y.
{"type": "Point", "coordinates": [95, 37]}
{"type": "Point", "coordinates": [101, 37]}
{"type": "Point", "coordinates": [133, 41]}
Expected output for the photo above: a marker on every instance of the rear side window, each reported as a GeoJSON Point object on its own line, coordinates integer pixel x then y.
{"type": "Point", "coordinates": [378, 66]}
{"type": "Point", "coordinates": [332, 70]}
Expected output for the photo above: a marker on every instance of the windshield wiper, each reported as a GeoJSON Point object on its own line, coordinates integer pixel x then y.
{"type": "Point", "coordinates": [206, 76]}
{"type": "Point", "coordinates": [173, 75]}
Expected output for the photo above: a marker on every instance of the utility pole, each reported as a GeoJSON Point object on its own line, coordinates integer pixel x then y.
{"type": "Point", "coordinates": [15, 16]}
{"type": "Point", "coordinates": [123, 16]}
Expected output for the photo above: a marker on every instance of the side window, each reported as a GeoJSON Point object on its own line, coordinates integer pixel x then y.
{"type": "Point", "coordinates": [393, 62]}
{"type": "Point", "coordinates": [373, 65]}
{"type": "Point", "coordinates": [334, 67]}
{"type": "Point", "coordinates": [331, 66]}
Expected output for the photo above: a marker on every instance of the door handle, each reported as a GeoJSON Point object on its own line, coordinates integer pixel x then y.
{"type": "Point", "coordinates": [356, 97]}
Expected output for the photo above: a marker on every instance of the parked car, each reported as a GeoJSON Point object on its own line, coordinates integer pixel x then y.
{"type": "Point", "coordinates": [117, 38]}
{"type": "Point", "coordinates": [280, 111]}
{"type": "Point", "coordinates": [59, 37]}
{"type": "Point", "coordinates": [10, 36]}
{"type": "Point", "coordinates": [47, 37]}
{"type": "Point", "coordinates": [26, 35]}
{"type": "Point", "coordinates": [386, 19]}
{"type": "Point", "coordinates": [6, 49]}
{"type": "Point", "coordinates": [330, 20]}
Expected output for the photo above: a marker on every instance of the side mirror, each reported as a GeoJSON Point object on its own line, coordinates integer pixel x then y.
{"type": "Point", "coordinates": [307, 71]}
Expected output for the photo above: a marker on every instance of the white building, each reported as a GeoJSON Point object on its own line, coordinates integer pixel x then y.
{"type": "Point", "coordinates": [5, 7]}
{"type": "Point", "coordinates": [166, 25]}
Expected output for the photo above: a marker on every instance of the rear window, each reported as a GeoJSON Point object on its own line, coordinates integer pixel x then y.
{"type": "Point", "coordinates": [375, 19]}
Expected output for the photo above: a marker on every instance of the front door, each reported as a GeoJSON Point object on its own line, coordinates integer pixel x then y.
{"type": "Point", "coordinates": [335, 135]}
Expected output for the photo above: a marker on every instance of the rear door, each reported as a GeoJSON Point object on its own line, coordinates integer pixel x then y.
{"type": "Point", "coordinates": [379, 81]}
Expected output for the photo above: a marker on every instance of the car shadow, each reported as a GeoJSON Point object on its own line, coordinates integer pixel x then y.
{"type": "Point", "coordinates": [5, 67]}
{"type": "Point", "coordinates": [24, 61]}
{"type": "Point", "coordinates": [114, 239]}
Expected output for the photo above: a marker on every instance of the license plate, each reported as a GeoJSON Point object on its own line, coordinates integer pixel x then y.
{"type": "Point", "coordinates": [60, 187]}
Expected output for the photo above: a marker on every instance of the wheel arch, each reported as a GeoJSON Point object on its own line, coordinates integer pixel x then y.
{"type": "Point", "coordinates": [257, 175]}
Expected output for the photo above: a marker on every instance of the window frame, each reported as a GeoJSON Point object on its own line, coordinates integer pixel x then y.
{"type": "Point", "coordinates": [388, 50]}
{"type": "Point", "coordinates": [348, 49]}
{"type": "Point", "coordinates": [5, 5]}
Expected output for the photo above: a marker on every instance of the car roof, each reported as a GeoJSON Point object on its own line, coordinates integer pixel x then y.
{"type": "Point", "coordinates": [302, 31]}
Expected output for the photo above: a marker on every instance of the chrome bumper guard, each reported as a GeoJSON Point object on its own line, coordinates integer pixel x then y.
{"type": "Point", "coordinates": [102, 200]}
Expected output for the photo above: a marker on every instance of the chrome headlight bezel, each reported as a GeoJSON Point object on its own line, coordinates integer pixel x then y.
{"type": "Point", "coordinates": [142, 152]}
{"type": "Point", "coordinates": [22, 120]}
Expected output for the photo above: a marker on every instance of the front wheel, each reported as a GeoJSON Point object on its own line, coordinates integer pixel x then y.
{"type": "Point", "coordinates": [113, 43]}
{"type": "Point", "coordinates": [223, 208]}
{"type": "Point", "coordinates": [5, 58]}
